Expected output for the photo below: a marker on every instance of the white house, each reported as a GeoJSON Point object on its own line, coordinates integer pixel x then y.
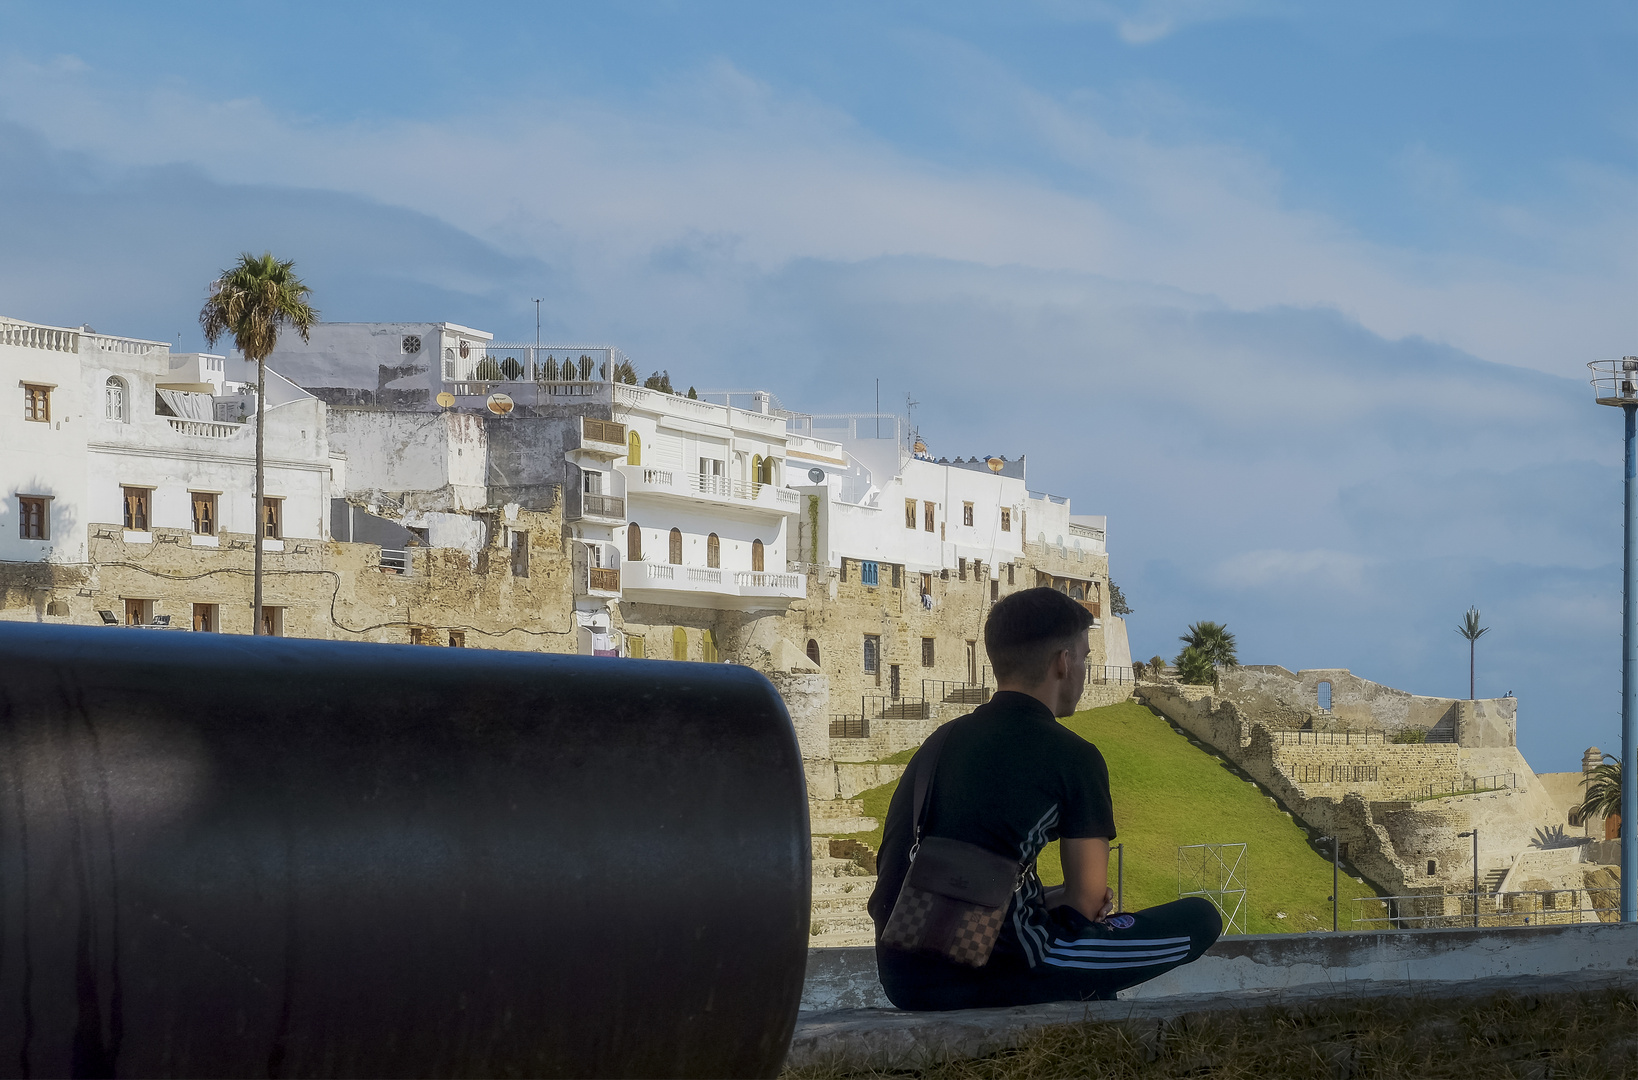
{"type": "Point", "coordinates": [120, 432]}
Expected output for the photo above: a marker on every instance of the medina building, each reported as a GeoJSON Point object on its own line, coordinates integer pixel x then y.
{"type": "Point", "coordinates": [119, 436]}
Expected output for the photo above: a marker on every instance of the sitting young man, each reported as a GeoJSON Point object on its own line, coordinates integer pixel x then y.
{"type": "Point", "coordinates": [1011, 779]}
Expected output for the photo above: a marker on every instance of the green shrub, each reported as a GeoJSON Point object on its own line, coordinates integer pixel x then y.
{"type": "Point", "coordinates": [1195, 667]}
{"type": "Point", "coordinates": [1410, 735]}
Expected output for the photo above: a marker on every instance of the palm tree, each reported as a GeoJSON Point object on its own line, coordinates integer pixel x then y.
{"type": "Point", "coordinates": [253, 300]}
{"type": "Point", "coordinates": [1214, 641]}
{"type": "Point", "coordinates": [1603, 785]}
{"type": "Point", "coordinates": [1195, 667]}
{"type": "Point", "coordinates": [1471, 630]}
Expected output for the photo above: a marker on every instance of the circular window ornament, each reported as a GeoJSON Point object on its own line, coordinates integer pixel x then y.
{"type": "Point", "coordinates": [412, 344]}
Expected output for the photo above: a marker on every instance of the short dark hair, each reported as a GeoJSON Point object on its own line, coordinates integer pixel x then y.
{"type": "Point", "coordinates": [1025, 629]}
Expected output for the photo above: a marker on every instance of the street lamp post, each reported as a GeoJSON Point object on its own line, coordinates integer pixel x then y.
{"type": "Point", "coordinates": [1475, 835]}
{"type": "Point", "coordinates": [1615, 382]}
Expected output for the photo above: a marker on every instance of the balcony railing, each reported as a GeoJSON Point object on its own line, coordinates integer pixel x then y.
{"type": "Point", "coordinates": [708, 575]}
{"type": "Point", "coordinates": [848, 726]}
{"type": "Point", "coordinates": [721, 487]}
{"type": "Point", "coordinates": [759, 579]}
{"type": "Point", "coordinates": [32, 336]}
{"type": "Point", "coordinates": [603, 579]}
{"type": "Point", "coordinates": [209, 429]}
{"type": "Point", "coordinates": [954, 693]}
{"type": "Point", "coordinates": [603, 431]}
{"type": "Point", "coordinates": [659, 478]}
{"type": "Point", "coordinates": [604, 506]}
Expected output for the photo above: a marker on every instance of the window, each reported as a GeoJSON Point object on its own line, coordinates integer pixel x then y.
{"type": "Point", "coordinates": [893, 681]}
{"type": "Point", "coordinates": [418, 636]}
{"type": "Point", "coordinates": [273, 519]}
{"type": "Point", "coordinates": [844, 572]}
{"type": "Point", "coordinates": [204, 512]}
{"type": "Point", "coordinates": [412, 344]}
{"type": "Point", "coordinates": [591, 482]}
{"type": "Point", "coordinates": [634, 543]}
{"type": "Point", "coordinates": [898, 576]}
{"type": "Point", "coordinates": [457, 639]}
{"type": "Point", "coordinates": [927, 652]}
{"type": "Point", "coordinates": [1322, 693]}
{"type": "Point", "coordinates": [927, 584]}
{"type": "Point", "coordinates": [204, 619]}
{"type": "Point", "coordinates": [634, 449]}
{"type": "Point", "coordinates": [34, 517]}
{"type": "Point", "coordinates": [966, 513]}
{"type": "Point", "coordinates": [972, 662]}
{"type": "Point", "coordinates": [138, 612]}
{"type": "Point", "coordinates": [679, 643]}
{"type": "Point", "coordinates": [927, 516]}
{"type": "Point", "coordinates": [961, 569]}
{"type": "Point", "coordinates": [636, 648]}
{"type": "Point", "coordinates": [1432, 865]}
{"type": "Point", "coordinates": [870, 573]}
{"type": "Point", "coordinates": [813, 651]}
{"type": "Point", "coordinates": [449, 363]}
{"type": "Point", "coordinates": [138, 503]}
{"type": "Point", "coordinates": [520, 553]}
{"type": "Point", "coordinates": [995, 589]}
{"type": "Point", "coordinates": [756, 556]}
{"type": "Point", "coordinates": [37, 403]}
{"type": "Point", "coordinates": [676, 547]}
{"type": "Point", "coordinates": [713, 551]}
{"type": "Point", "coordinates": [1009, 573]}
{"type": "Point", "coordinates": [113, 400]}
{"type": "Point", "coordinates": [708, 647]}
{"type": "Point", "coordinates": [272, 621]}
{"type": "Point", "coordinates": [1006, 519]}
{"type": "Point", "coordinates": [909, 513]}
{"type": "Point", "coordinates": [872, 653]}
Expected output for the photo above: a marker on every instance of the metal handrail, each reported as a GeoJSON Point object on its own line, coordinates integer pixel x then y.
{"type": "Point", "coordinates": [1545, 910]}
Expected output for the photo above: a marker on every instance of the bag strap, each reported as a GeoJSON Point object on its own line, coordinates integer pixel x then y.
{"type": "Point", "coordinates": [934, 746]}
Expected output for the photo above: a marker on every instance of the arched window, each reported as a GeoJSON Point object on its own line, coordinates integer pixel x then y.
{"type": "Point", "coordinates": [756, 472]}
{"type": "Point", "coordinates": [634, 543]}
{"type": "Point", "coordinates": [713, 551]}
{"type": "Point", "coordinates": [756, 555]}
{"type": "Point", "coordinates": [679, 643]}
{"type": "Point", "coordinates": [708, 647]}
{"type": "Point", "coordinates": [114, 399]}
{"type": "Point", "coordinates": [634, 449]}
{"type": "Point", "coordinates": [676, 547]}
{"type": "Point", "coordinates": [813, 651]}
{"type": "Point", "coordinates": [1322, 693]}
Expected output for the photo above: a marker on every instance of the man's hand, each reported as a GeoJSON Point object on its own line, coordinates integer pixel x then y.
{"type": "Point", "coordinates": [1086, 876]}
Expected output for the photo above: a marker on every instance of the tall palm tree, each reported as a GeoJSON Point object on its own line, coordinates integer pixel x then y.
{"type": "Point", "coordinates": [252, 301]}
{"type": "Point", "coordinates": [1471, 630]}
{"type": "Point", "coordinates": [1214, 641]}
{"type": "Point", "coordinates": [1603, 786]}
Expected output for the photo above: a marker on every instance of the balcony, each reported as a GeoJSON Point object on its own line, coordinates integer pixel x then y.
{"type": "Point", "coordinates": [610, 507]}
{"type": "Point", "coordinates": [209, 429]}
{"type": "Point", "coordinates": [602, 437]}
{"type": "Point", "coordinates": [712, 581]}
{"type": "Point", "coordinates": [716, 490]}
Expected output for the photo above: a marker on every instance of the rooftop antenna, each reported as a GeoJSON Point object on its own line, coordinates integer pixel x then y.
{"type": "Point", "coordinates": [537, 322]}
{"type": "Point", "coordinates": [910, 404]}
{"type": "Point", "coordinates": [878, 408]}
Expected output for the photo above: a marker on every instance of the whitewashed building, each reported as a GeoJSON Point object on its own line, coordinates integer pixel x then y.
{"type": "Point", "coordinates": [120, 433]}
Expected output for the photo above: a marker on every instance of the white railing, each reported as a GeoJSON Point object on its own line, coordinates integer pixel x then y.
{"type": "Point", "coordinates": [209, 429]}
{"type": "Point", "coordinates": [126, 346]}
{"type": "Point", "coordinates": [787, 497]}
{"type": "Point", "coordinates": [34, 336]}
{"type": "Point", "coordinates": [1085, 530]}
{"type": "Point", "coordinates": [708, 575]}
{"type": "Point", "coordinates": [657, 571]}
{"type": "Point", "coordinates": [757, 579]}
{"type": "Point", "coordinates": [659, 477]}
{"type": "Point", "coordinates": [764, 422]}
{"type": "Point", "coordinates": [658, 400]}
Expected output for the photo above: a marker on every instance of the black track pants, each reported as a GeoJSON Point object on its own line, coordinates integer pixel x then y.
{"type": "Point", "coordinates": [1085, 961]}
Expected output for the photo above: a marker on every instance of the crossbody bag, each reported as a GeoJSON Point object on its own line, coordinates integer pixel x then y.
{"type": "Point", "coordinates": [955, 894]}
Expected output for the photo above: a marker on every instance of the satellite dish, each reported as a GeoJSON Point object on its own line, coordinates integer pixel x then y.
{"type": "Point", "coordinates": [817, 475]}
{"type": "Point", "coordinates": [499, 404]}
{"type": "Point", "coordinates": [996, 464]}
{"type": "Point", "coordinates": [446, 399]}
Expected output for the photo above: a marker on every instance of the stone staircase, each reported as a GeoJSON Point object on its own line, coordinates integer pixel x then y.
{"type": "Point", "coordinates": [830, 816]}
{"type": "Point", "coordinates": [1491, 883]}
{"type": "Point", "coordinates": [841, 889]}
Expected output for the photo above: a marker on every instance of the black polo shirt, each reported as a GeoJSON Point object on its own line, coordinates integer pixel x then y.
{"type": "Point", "coordinates": [1010, 779]}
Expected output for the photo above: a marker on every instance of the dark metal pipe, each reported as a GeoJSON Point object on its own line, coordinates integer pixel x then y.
{"type": "Point", "coordinates": [234, 856]}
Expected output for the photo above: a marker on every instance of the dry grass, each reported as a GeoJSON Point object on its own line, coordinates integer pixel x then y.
{"type": "Point", "coordinates": [1592, 1035]}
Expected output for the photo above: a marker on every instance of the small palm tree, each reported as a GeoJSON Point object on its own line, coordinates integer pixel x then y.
{"type": "Point", "coordinates": [1603, 786]}
{"type": "Point", "coordinates": [1214, 641]}
{"type": "Point", "coordinates": [1471, 630]}
{"type": "Point", "coordinates": [1195, 667]}
{"type": "Point", "coordinates": [1157, 666]}
{"type": "Point", "coordinates": [252, 301]}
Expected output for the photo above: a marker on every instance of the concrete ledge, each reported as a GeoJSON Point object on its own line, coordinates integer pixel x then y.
{"type": "Point", "coordinates": [846, 978]}
{"type": "Point", "coordinates": [889, 1039]}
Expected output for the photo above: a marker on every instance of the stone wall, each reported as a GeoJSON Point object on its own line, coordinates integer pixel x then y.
{"type": "Point", "coordinates": [1280, 698]}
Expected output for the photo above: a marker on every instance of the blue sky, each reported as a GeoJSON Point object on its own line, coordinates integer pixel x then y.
{"type": "Point", "coordinates": [1299, 296]}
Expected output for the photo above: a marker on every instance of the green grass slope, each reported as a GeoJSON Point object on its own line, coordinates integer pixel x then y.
{"type": "Point", "coordinates": [1169, 793]}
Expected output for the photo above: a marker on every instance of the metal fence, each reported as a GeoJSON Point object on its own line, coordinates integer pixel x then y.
{"type": "Point", "coordinates": [882, 707]}
{"type": "Point", "coordinates": [848, 726]}
{"type": "Point", "coordinates": [954, 692]}
{"type": "Point", "coordinates": [1328, 738]}
{"type": "Point", "coordinates": [1105, 674]}
{"type": "Point", "coordinates": [1540, 907]}
{"type": "Point", "coordinates": [1477, 785]}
